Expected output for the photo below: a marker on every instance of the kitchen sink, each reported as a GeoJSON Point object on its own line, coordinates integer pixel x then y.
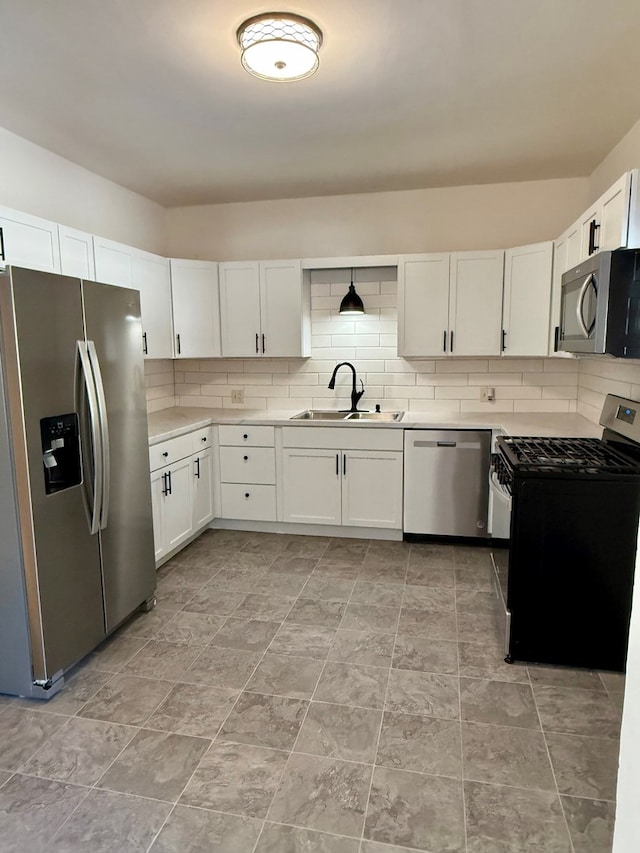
{"type": "Point", "coordinates": [327, 415]}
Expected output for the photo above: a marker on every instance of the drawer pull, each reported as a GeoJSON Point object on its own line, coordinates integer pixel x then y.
{"type": "Point", "coordinates": [166, 453]}
{"type": "Point", "coordinates": [245, 436]}
{"type": "Point", "coordinates": [246, 458]}
{"type": "Point", "coordinates": [204, 438]}
{"type": "Point", "coordinates": [247, 495]}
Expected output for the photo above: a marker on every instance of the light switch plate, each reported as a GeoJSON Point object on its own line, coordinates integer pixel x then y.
{"type": "Point", "coordinates": [237, 395]}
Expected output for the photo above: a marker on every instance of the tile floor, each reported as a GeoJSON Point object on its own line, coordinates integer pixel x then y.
{"type": "Point", "coordinates": [295, 694]}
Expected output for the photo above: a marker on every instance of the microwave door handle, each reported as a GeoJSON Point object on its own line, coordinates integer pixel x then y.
{"type": "Point", "coordinates": [586, 331]}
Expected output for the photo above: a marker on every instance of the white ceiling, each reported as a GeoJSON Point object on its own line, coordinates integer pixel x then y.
{"type": "Point", "coordinates": [410, 93]}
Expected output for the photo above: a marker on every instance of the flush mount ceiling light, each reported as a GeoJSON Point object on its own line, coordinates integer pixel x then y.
{"type": "Point", "coordinates": [279, 46]}
{"type": "Point", "coordinates": [351, 303]}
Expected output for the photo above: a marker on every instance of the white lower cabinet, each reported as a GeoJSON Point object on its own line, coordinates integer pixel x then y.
{"type": "Point", "coordinates": [340, 483]}
{"type": "Point", "coordinates": [247, 472]}
{"type": "Point", "coordinates": [181, 489]}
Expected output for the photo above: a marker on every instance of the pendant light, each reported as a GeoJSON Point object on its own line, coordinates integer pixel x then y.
{"type": "Point", "coordinates": [279, 46]}
{"type": "Point", "coordinates": [351, 304]}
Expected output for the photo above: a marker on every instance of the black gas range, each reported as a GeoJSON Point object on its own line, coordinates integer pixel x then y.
{"type": "Point", "coordinates": [575, 504]}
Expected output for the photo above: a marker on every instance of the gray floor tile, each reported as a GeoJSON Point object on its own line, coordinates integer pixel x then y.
{"type": "Point", "coordinates": [276, 838]}
{"type": "Point", "coordinates": [241, 562]}
{"type": "Point", "coordinates": [194, 709]}
{"type": "Point", "coordinates": [280, 584]}
{"type": "Point", "coordinates": [272, 721]}
{"type": "Point", "coordinates": [381, 594]}
{"type": "Point", "coordinates": [305, 641]}
{"type": "Point", "coordinates": [440, 575]}
{"type": "Point", "coordinates": [476, 601]}
{"type": "Point", "coordinates": [425, 654]}
{"type": "Point", "coordinates": [362, 647]}
{"type": "Point", "coordinates": [5, 775]}
{"type": "Point", "coordinates": [31, 810]}
{"type": "Point", "coordinates": [236, 778]}
{"type": "Point", "coordinates": [423, 744]}
{"type": "Point", "coordinates": [585, 766]}
{"type": "Point", "coordinates": [590, 824]}
{"type": "Point", "coordinates": [431, 554]}
{"type": "Point", "coordinates": [216, 601]}
{"type": "Point", "coordinates": [191, 830]}
{"type": "Point", "coordinates": [614, 682]}
{"type": "Point", "coordinates": [381, 571]}
{"type": "Point", "coordinates": [479, 627]}
{"type": "Point", "coordinates": [487, 661]}
{"type": "Point", "coordinates": [247, 635]}
{"type": "Point", "coordinates": [155, 764]}
{"type": "Point", "coordinates": [390, 552]}
{"type": "Point", "coordinates": [353, 550]}
{"type": "Point", "coordinates": [197, 629]}
{"type": "Point", "coordinates": [22, 733]}
{"type": "Point", "coordinates": [349, 684]}
{"type": "Point", "coordinates": [579, 712]}
{"type": "Point", "coordinates": [302, 566]}
{"type": "Point", "coordinates": [504, 755]}
{"type": "Point", "coordinates": [426, 693]}
{"type": "Point", "coordinates": [306, 546]}
{"type": "Point", "coordinates": [429, 597]}
{"type": "Point", "coordinates": [415, 811]}
{"type": "Point", "coordinates": [371, 617]}
{"type": "Point", "coordinates": [266, 543]}
{"type": "Point", "coordinates": [80, 685]}
{"type": "Point", "coordinates": [437, 624]}
{"type": "Point", "coordinates": [285, 675]}
{"type": "Point", "coordinates": [340, 731]}
{"type": "Point", "coordinates": [498, 702]}
{"type": "Point", "coordinates": [269, 607]}
{"type": "Point", "coordinates": [471, 556]}
{"type": "Point", "coordinates": [323, 794]}
{"type": "Point", "coordinates": [145, 625]}
{"type": "Point", "coordinates": [110, 823]}
{"type": "Point", "coordinates": [221, 667]}
{"type": "Point", "coordinates": [127, 699]}
{"type": "Point", "coordinates": [198, 572]}
{"type": "Point", "coordinates": [114, 654]}
{"type": "Point", "coordinates": [80, 751]}
{"type": "Point", "coordinates": [327, 589]}
{"type": "Point", "coordinates": [237, 580]}
{"type": "Point", "coordinates": [476, 578]}
{"type": "Point", "coordinates": [315, 611]}
{"type": "Point", "coordinates": [374, 847]}
{"type": "Point", "coordinates": [343, 569]}
{"type": "Point", "coordinates": [514, 820]}
{"type": "Point", "coordinates": [159, 659]}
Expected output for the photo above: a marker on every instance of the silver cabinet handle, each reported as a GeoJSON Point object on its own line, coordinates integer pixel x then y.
{"type": "Point", "coordinates": [586, 330]}
{"type": "Point", "coordinates": [84, 378]}
{"type": "Point", "coordinates": [104, 434]}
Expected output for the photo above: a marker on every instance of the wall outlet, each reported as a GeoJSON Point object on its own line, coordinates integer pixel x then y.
{"type": "Point", "coordinates": [487, 395]}
{"type": "Point", "coordinates": [237, 395]}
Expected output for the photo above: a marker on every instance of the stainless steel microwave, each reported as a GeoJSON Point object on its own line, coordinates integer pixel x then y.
{"type": "Point", "coordinates": [600, 307]}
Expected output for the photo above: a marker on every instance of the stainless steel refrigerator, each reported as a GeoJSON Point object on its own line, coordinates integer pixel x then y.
{"type": "Point", "coordinates": [76, 535]}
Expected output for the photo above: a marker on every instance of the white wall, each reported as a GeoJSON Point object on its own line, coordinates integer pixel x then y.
{"type": "Point", "coordinates": [39, 182]}
{"type": "Point", "coordinates": [490, 216]}
{"type": "Point", "coordinates": [623, 157]}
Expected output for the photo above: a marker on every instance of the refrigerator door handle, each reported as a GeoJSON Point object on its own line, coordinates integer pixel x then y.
{"type": "Point", "coordinates": [104, 434]}
{"type": "Point", "coordinates": [84, 377]}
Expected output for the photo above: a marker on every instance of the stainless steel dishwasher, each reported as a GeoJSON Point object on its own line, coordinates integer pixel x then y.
{"type": "Point", "coordinates": [446, 481]}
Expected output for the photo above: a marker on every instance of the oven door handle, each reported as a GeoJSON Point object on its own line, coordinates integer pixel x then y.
{"type": "Point", "coordinates": [586, 330]}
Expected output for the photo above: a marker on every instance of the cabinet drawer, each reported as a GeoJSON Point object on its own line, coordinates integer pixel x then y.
{"type": "Point", "coordinates": [256, 503]}
{"type": "Point", "coordinates": [169, 451]}
{"type": "Point", "coordinates": [256, 436]}
{"type": "Point", "coordinates": [201, 439]}
{"type": "Point", "coordinates": [343, 438]}
{"type": "Point", "coordinates": [247, 465]}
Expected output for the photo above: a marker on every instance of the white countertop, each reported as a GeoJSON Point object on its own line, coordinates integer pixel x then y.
{"type": "Point", "coordinates": [169, 423]}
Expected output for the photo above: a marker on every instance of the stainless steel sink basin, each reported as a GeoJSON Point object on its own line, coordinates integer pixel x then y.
{"type": "Point", "coordinates": [327, 415]}
{"type": "Point", "coordinates": [374, 416]}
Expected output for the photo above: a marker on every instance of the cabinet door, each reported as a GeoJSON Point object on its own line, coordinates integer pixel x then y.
{"type": "Point", "coordinates": [177, 509]}
{"type": "Point", "coordinates": [527, 299]}
{"type": "Point", "coordinates": [281, 309]}
{"type": "Point", "coordinates": [573, 235]}
{"type": "Point", "coordinates": [312, 482]}
{"type": "Point", "coordinates": [196, 308]}
{"type": "Point", "coordinates": [157, 507]}
{"type": "Point", "coordinates": [201, 467]}
{"type": "Point", "coordinates": [76, 253]}
{"type": "Point", "coordinates": [475, 303]}
{"type": "Point", "coordinates": [240, 309]}
{"type": "Point", "coordinates": [113, 262]}
{"type": "Point", "coordinates": [372, 489]}
{"type": "Point", "coordinates": [589, 233]}
{"type": "Point", "coordinates": [614, 214]}
{"type": "Point", "coordinates": [559, 267]}
{"type": "Point", "coordinates": [151, 277]}
{"type": "Point", "coordinates": [423, 305]}
{"type": "Point", "coordinates": [28, 241]}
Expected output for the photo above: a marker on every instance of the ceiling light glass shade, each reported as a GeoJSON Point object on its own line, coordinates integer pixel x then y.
{"type": "Point", "coordinates": [351, 304]}
{"type": "Point", "coordinates": [279, 46]}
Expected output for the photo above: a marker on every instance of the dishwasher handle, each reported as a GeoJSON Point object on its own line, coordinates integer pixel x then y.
{"type": "Point", "coordinates": [446, 443]}
{"type": "Point", "coordinates": [459, 445]}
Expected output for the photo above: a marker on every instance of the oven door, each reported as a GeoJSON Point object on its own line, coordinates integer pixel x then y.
{"type": "Point", "coordinates": [499, 507]}
{"type": "Point", "coordinates": [579, 305]}
{"type": "Point", "coordinates": [500, 503]}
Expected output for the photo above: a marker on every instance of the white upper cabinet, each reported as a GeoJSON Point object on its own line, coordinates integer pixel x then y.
{"type": "Point", "coordinates": [76, 253]}
{"type": "Point", "coordinates": [606, 224]}
{"type": "Point", "coordinates": [527, 299]}
{"type": "Point", "coordinates": [264, 309]}
{"type": "Point", "coordinates": [475, 303]}
{"type": "Point", "coordinates": [113, 262]}
{"type": "Point", "coordinates": [28, 241]}
{"type": "Point", "coordinates": [152, 278]}
{"type": "Point", "coordinates": [423, 304]}
{"type": "Point", "coordinates": [196, 308]}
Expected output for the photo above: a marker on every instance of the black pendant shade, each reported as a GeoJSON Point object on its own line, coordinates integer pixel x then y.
{"type": "Point", "coordinates": [351, 304]}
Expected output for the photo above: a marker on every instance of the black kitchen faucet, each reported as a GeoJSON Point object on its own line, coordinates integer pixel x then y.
{"type": "Point", "coordinates": [355, 395]}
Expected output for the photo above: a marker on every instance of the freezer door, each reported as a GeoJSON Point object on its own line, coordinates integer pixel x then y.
{"type": "Point", "coordinates": [41, 325]}
{"type": "Point", "coordinates": [114, 339]}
